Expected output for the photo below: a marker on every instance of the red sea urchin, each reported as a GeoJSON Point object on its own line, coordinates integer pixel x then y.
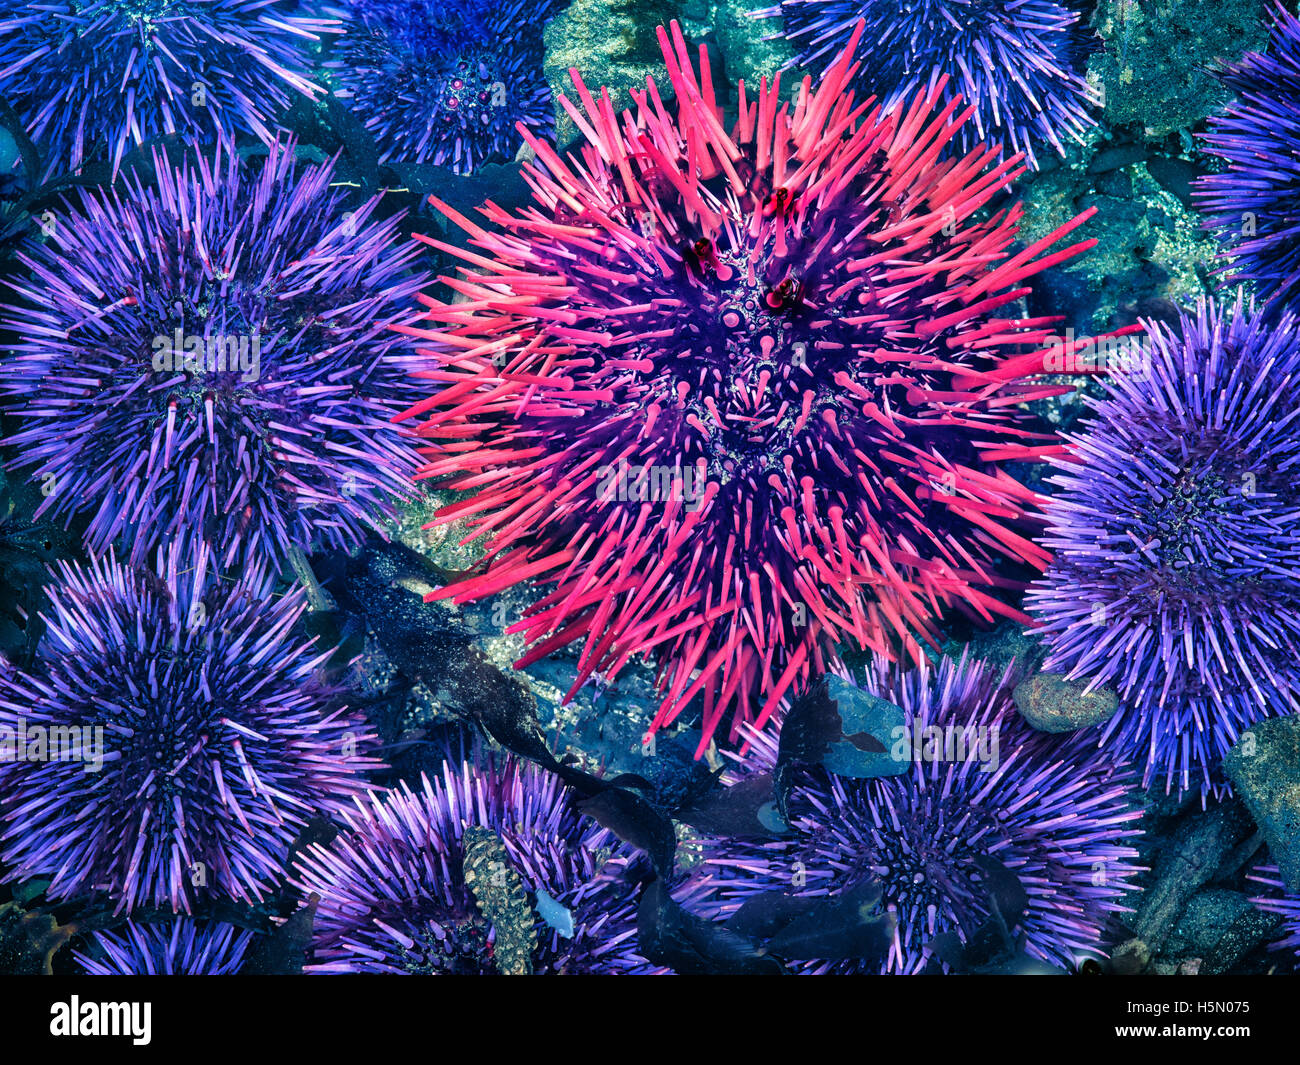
{"type": "Point", "coordinates": [742, 396]}
{"type": "Point", "coordinates": [207, 356]}
{"type": "Point", "coordinates": [488, 868]}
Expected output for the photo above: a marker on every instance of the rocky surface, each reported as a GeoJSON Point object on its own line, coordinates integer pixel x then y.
{"type": "Point", "coordinates": [1264, 767]}
{"type": "Point", "coordinates": [1051, 703]}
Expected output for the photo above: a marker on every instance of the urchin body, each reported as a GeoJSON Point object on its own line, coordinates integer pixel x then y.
{"type": "Point", "coordinates": [94, 80]}
{"type": "Point", "coordinates": [1176, 576]}
{"type": "Point", "coordinates": [787, 339]}
{"type": "Point", "coordinates": [1018, 61]}
{"type": "Point", "coordinates": [1254, 204]}
{"type": "Point", "coordinates": [479, 869]}
{"type": "Point", "coordinates": [446, 83]}
{"type": "Point", "coordinates": [180, 947]}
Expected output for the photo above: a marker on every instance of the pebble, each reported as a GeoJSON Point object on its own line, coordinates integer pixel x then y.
{"type": "Point", "coordinates": [1050, 703]}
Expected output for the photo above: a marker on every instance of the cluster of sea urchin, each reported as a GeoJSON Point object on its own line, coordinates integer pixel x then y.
{"type": "Point", "coordinates": [179, 947]}
{"type": "Point", "coordinates": [980, 786]}
{"type": "Point", "coordinates": [1017, 61]}
{"type": "Point", "coordinates": [210, 357]}
{"type": "Point", "coordinates": [93, 79]}
{"type": "Point", "coordinates": [488, 868]}
{"type": "Point", "coordinates": [1255, 204]}
{"type": "Point", "coordinates": [175, 739]}
{"type": "Point", "coordinates": [741, 396]}
{"type": "Point", "coordinates": [446, 83]}
{"type": "Point", "coordinates": [1177, 538]}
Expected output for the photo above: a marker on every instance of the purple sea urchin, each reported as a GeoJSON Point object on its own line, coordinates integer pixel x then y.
{"type": "Point", "coordinates": [487, 868]}
{"type": "Point", "coordinates": [1017, 61]}
{"type": "Point", "coordinates": [1056, 814]}
{"type": "Point", "coordinates": [211, 357]}
{"type": "Point", "coordinates": [1255, 204]}
{"type": "Point", "coordinates": [174, 740]}
{"type": "Point", "coordinates": [96, 78]}
{"type": "Point", "coordinates": [446, 83]}
{"type": "Point", "coordinates": [179, 947]}
{"type": "Point", "coordinates": [1177, 539]}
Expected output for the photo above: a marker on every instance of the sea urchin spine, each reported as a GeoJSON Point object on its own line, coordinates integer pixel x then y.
{"type": "Point", "coordinates": [208, 357]}
{"type": "Point", "coordinates": [983, 803]}
{"type": "Point", "coordinates": [1017, 61]}
{"type": "Point", "coordinates": [95, 78]}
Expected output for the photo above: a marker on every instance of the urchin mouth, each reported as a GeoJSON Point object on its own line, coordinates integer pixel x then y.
{"type": "Point", "coordinates": [473, 86]}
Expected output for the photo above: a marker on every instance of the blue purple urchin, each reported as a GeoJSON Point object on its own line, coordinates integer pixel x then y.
{"type": "Point", "coordinates": [1177, 540]}
{"type": "Point", "coordinates": [1254, 206]}
{"type": "Point", "coordinates": [1017, 63]}
{"type": "Point", "coordinates": [219, 740]}
{"type": "Point", "coordinates": [95, 78]}
{"type": "Point", "coordinates": [1285, 905]}
{"type": "Point", "coordinates": [446, 83]}
{"type": "Point", "coordinates": [1058, 814]}
{"type": "Point", "coordinates": [398, 894]}
{"type": "Point", "coordinates": [179, 947]}
{"type": "Point", "coordinates": [212, 357]}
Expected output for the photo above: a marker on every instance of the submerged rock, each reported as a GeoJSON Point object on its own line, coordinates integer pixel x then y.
{"type": "Point", "coordinates": [864, 718]}
{"type": "Point", "coordinates": [1219, 928]}
{"type": "Point", "coordinates": [1158, 66]}
{"type": "Point", "coordinates": [1264, 768]}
